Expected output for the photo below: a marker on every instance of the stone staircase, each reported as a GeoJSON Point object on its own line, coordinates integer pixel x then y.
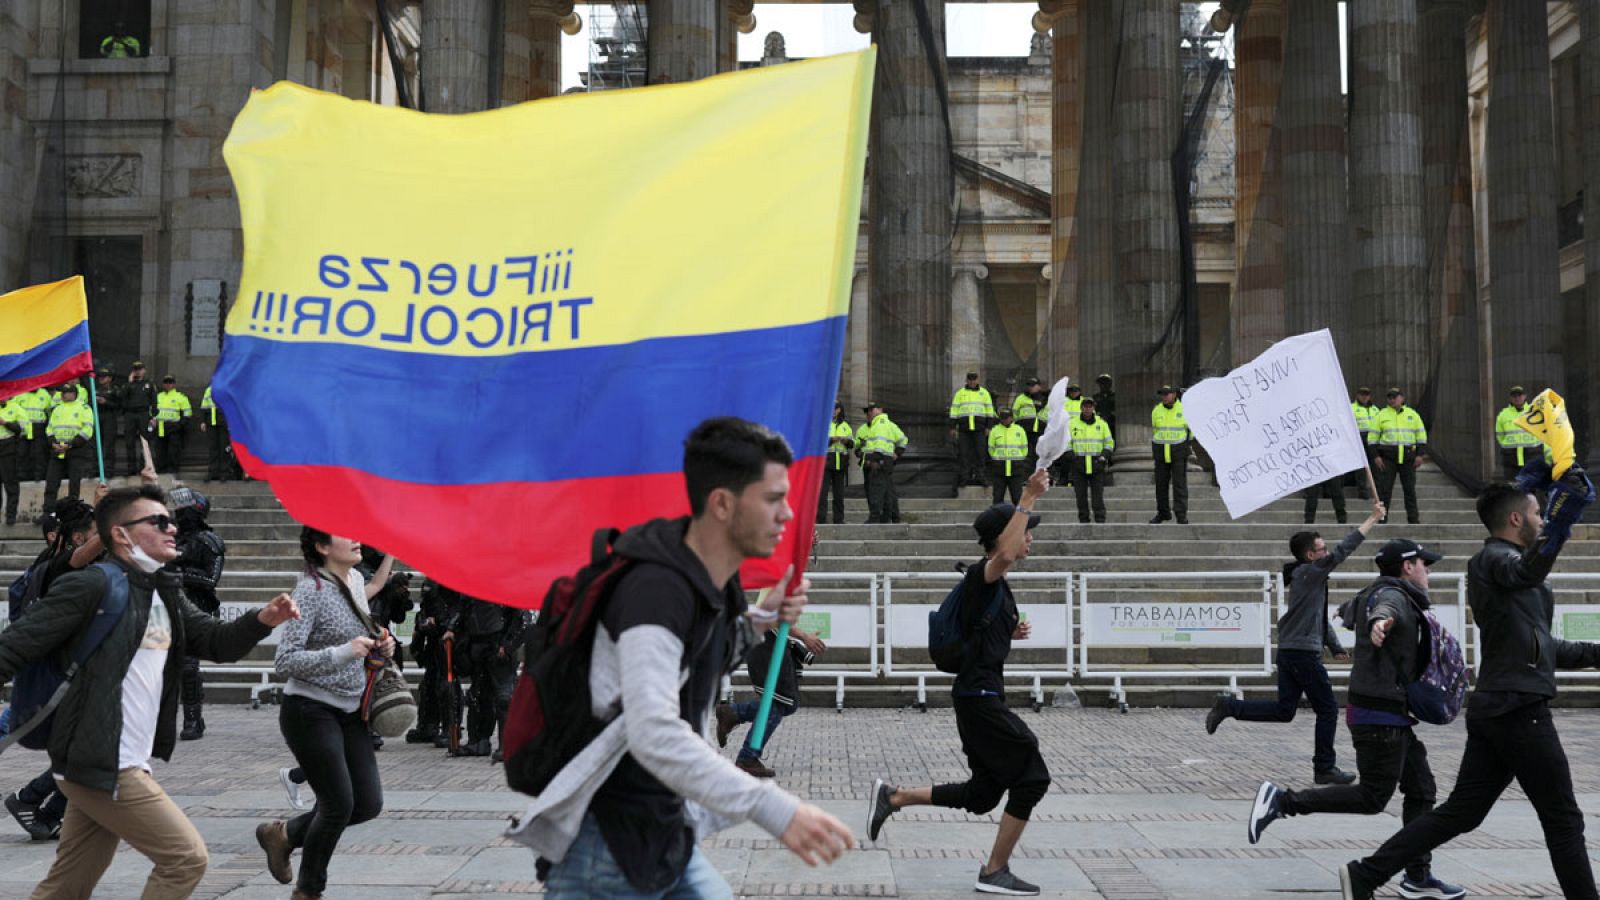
{"type": "Point", "coordinates": [936, 534]}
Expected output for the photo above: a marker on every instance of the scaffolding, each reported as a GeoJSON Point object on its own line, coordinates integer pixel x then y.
{"type": "Point", "coordinates": [618, 46]}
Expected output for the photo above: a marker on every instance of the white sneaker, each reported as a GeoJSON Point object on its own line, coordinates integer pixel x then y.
{"type": "Point", "coordinates": [291, 788]}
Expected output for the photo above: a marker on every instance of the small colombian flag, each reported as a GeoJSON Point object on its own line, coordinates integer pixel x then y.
{"type": "Point", "coordinates": [44, 336]}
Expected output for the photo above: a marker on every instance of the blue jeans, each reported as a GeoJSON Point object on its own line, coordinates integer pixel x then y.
{"type": "Point", "coordinates": [1299, 671]}
{"type": "Point", "coordinates": [589, 871]}
{"type": "Point", "coordinates": [747, 713]}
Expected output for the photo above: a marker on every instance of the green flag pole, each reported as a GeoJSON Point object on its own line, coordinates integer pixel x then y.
{"type": "Point", "coordinates": [94, 406]}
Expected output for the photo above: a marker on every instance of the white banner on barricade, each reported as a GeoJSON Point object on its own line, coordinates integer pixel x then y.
{"type": "Point", "coordinates": [1278, 424]}
{"type": "Point", "coordinates": [1156, 623]}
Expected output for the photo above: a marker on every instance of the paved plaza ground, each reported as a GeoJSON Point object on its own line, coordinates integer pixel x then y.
{"type": "Point", "coordinates": [1144, 805]}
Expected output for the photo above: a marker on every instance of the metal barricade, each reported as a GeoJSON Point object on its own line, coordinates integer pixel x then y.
{"type": "Point", "coordinates": [1175, 624]}
{"type": "Point", "coordinates": [1577, 615]}
{"type": "Point", "coordinates": [1447, 596]}
{"type": "Point", "coordinates": [906, 626]}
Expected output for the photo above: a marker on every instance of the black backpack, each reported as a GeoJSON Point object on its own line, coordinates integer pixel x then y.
{"type": "Point", "coordinates": [550, 719]}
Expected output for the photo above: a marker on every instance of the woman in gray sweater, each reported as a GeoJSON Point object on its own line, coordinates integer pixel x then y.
{"type": "Point", "coordinates": [324, 657]}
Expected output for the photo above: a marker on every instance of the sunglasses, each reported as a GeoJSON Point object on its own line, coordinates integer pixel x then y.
{"type": "Point", "coordinates": [161, 521]}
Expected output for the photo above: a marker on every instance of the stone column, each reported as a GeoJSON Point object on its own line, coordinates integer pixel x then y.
{"type": "Point", "coordinates": [910, 226]}
{"type": "Point", "coordinates": [19, 23]}
{"type": "Point", "coordinates": [517, 67]}
{"type": "Point", "coordinates": [1454, 415]}
{"type": "Point", "coordinates": [1316, 212]}
{"type": "Point", "coordinates": [966, 323]}
{"type": "Point", "coordinates": [1390, 313]}
{"type": "Point", "coordinates": [740, 19]}
{"type": "Point", "coordinates": [1095, 282]}
{"type": "Point", "coordinates": [1147, 113]}
{"type": "Point", "coordinates": [1049, 368]}
{"type": "Point", "coordinates": [1059, 331]}
{"type": "Point", "coordinates": [857, 388]}
{"type": "Point", "coordinates": [1589, 118]}
{"type": "Point", "coordinates": [1525, 293]}
{"type": "Point", "coordinates": [456, 43]}
{"type": "Point", "coordinates": [683, 40]}
{"type": "Point", "coordinates": [1258, 318]}
{"type": "Point", "coordinates": [547, 21]}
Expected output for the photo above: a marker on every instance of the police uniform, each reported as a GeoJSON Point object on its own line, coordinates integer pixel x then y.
{"type": "Point", "coordinates": [34, 462]}
{"type": "Point", "coordinates": [173, 412]}
{"type": "Point", "coordinates": [836, 468]}
{"type": "Point", "coordinates": [13, 428]}
{"type": "Point", "coordinates": [1399, 438]}
{"type": "Point", "coordinates": [219, 449]}
{"type": "Point", "coordinates": [1008, 459]}
{"type": "Point", "coordinates": [427, 649]}
{"type": "Point", "coordinates": [1031, 410]}
{"type": "Point", "coordinates": [1091, 443]}
{"type": "Point", "coordinates": [108, 406]}
{"type": "Point", "coordinates": [71, 427]}
{"type": "Point", "coordinates": [1170, 449]}
{"type": "Point", "coordinates": [879, 443]}
{"type": "Point", "coordinates": [494, 636]}
{"type": "Point", "coordinates": [1365, 414]}
{"type": "Point", "coordinates": [137, 401]}
{"type": "Point", "coordinates": [1515, 444]}
{"type": "Point", "coordinates": [971, 410]}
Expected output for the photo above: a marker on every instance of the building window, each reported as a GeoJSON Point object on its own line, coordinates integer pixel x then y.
{"type": "Point", "coordinates": [113, 29]}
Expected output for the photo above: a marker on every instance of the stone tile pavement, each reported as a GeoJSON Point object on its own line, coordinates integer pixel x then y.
{"type": "Point", "coordinates": [1144, 805]}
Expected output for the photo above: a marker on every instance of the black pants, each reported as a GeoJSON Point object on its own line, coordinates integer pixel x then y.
{"type": "Point", "coordinates": [1003, 482]}
{"type": "Point", "coordinates": [10, 481]}
{"type": "Point", "coordinates": [969, 451]}
{"type": "Point", "coordinates": [835, 475]}
{"type": "Point", "coordinates": [430, 692]}
{"type": "Point", "coordinates": [36, 455]}
{"type": "Point", "coordinates": [42, 792]}
{"type": "Point", "coordinates": [1004, 757]}
{"type": "Point", "coordinates": [882, 503]}
{"type": "Point", "coordinates": [219, 461]}
{"type": "Point", "coordinates": [1523, 745]}
{"type": "Point", "coordinates": [73, 466]}
{"type": "Point", "coordinates": [1508, 460]}
{"type": "Point", "coordinates": [335, 751]}
{"type": "Point", "coordinates": [1086, 485]}
{"type": "Point", "coordinates": [133, 428]}
{"type": "Point", "coordinates": [493, 679]}
{"type": "Point", "coordinates": [167, 452]}
{"type": "Point", "coordinates": [1387, 756]}
{"type": "Point", "coordinates": [193, 686]}
{"type": "Point", "coordinates": [1299, 672]}
{"type": "Point", "coordinates": [1408, 479]}
{"type": "Point", "coordinates": [1333, 489]}
{"type": "Point", "coordinates": [1173, 475]}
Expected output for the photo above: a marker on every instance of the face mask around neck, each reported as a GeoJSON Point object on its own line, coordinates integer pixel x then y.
{"type": "Point", "coordinates": [142, 560]}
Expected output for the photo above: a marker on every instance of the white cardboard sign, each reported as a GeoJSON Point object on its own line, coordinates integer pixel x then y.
{"type": "Point", "coordinates": [1278, 424]}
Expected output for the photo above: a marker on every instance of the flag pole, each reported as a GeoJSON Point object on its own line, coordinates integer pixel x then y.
{"type": "Point", "coordinates": [94, 407]}
{"type": "Point", "coordinates": [758, 735]}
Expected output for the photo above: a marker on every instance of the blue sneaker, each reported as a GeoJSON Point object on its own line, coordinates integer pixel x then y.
{"type": "Point", "coordinates": [1266, 809]}
{"type": "Point", "coordinates": [1431, 888]}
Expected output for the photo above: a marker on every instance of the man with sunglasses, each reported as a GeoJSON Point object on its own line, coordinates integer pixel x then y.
{"type": "Point", "coordinates": [102, 740]}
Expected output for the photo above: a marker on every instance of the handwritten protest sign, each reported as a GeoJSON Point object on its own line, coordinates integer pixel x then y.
{"type": "Point", "coordinates": [1278, 424]}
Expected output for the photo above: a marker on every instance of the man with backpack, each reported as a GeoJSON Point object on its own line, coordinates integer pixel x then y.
{"type": "Point", "coordinates": [623, 812]}
{"type": "Point", "coordinates": [1303, 632]}
{"type": "Point", "coordinates": [1393, 645]}
{"type": "Point", "coordinates": [1510, 733]}
{"type": "Point", "coordinates": [1001, 751]}
{"type": "Point", "coordinates": [101, 746]}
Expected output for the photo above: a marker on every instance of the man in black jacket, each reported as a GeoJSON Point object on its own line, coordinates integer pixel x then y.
{"type": "Point", "coordinates": [137, 403]}
{"type": "Point", "coordinates": [1001, 750]}
{"type": "Point", "coordinates": [122, 708]}
{"type": "Point", "coordinates": [1509, 730]}
{"type": "Point", "coordinates": [494, 634]}
{"type": "Point", "coordinates": [201, 556]}
{"type": "Point", "coordinates": [1391, 651]}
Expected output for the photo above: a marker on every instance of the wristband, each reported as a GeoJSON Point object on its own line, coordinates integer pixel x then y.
{"type": "Point", "coordinates": [762, 616]}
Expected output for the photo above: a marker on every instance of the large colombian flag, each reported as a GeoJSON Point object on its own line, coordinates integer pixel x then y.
{"type": "Point", "coordinates": [472, 340]}
{"type": "Point", "coordinates": [44, 336]}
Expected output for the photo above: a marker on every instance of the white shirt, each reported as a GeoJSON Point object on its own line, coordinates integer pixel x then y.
{"type": "Point", "coordinates": [141, 689]}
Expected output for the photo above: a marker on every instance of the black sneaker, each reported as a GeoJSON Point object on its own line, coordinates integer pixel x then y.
{"type": "Point", "coordinates": [1351, 887]}
{"type": "Point", "coordinates": [878, 808]}
{"type": "Point", "coordinates": [27, 815]}
{"type": "Point", "coordinates": [1219, 711]}
{"type": "Point", "coordinates": [1431, 888]}
{"type": "Point", "coordinates": [1334, 775]}
{"type": "Point", "coordinates": [1158, 519]}
{"type": "Point", "coordinates": [1266, 810]}
{"type": "Point", "coordinates": [1001, 881]}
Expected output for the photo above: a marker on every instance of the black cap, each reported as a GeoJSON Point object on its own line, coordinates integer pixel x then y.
{"type": "Point", "coordinates": [105, 373]}
{"type": "Point", "coordinates": [1075, 387]}
{"type": "Point", "coordinates": [1103, 377]}
{"type": "Point", "coordinates": [1033, 381]}
{"type": "Point", "coordinates": [69, 386]}
{"type": "Point", "coordinates": [1088, 401]}
{"type": "Point", "coordinates": [992, 521]}
{"type": "Point", "coordinates": [1518, 390]}
{"type": "Point", "coordinates": [1166, 389]}
{"type": "Point", "coordinates": [1005, 412]}
{"type": "Point", "coordinates": [871, 405]}
{"type": "Point", "coordinates": [1400, 549]}
{"type": "Point", "coordinates": [838, 405]}
{"type": "Point", "coordinates": [1394, 392]}
{"type": "Point", "coordinates": [168, 379]}
{"type": "Point", "coordinates": [137, 364]}
{"type": "Point", "coordinates": [971, 375]}
{"type": "Point", "coordinates": [1363, 390]}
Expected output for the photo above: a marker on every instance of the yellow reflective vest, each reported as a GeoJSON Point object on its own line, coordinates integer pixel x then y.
{"type": "Point", "coordinates": [1031, 415]}
{"type": "Point", "coordinates": [1072, 407]}
{"type": "Point", "coordinates": [841, 437]}
{"type": "Point", "coordinates": [972, 406]}
{"type": "Point", "coordinates": [1008, 444]}
{"type": "Point", "coordinates": [13, 413]}
{"type": "Point", "coordinates": [209, 407]}
{"type": "Point", "coordinates": [1364, 416]}
{"type": "Point", "coordinates": [880, 436]}
{"type": "Point", "coordinates": [1509, 436]}
{"type": "Point", "coordinates": [1091, 439]}
{"type": "Point", "coordinates": [171, 406]}
{"type": "Point", "coordinates": [1171, 428]}
{"type": "Point", "coordinates": [36, 405]}
{"type": "Point", "coordinates": [1402, 429]}
{"type": "Point", "coordinates": [70, 421]}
